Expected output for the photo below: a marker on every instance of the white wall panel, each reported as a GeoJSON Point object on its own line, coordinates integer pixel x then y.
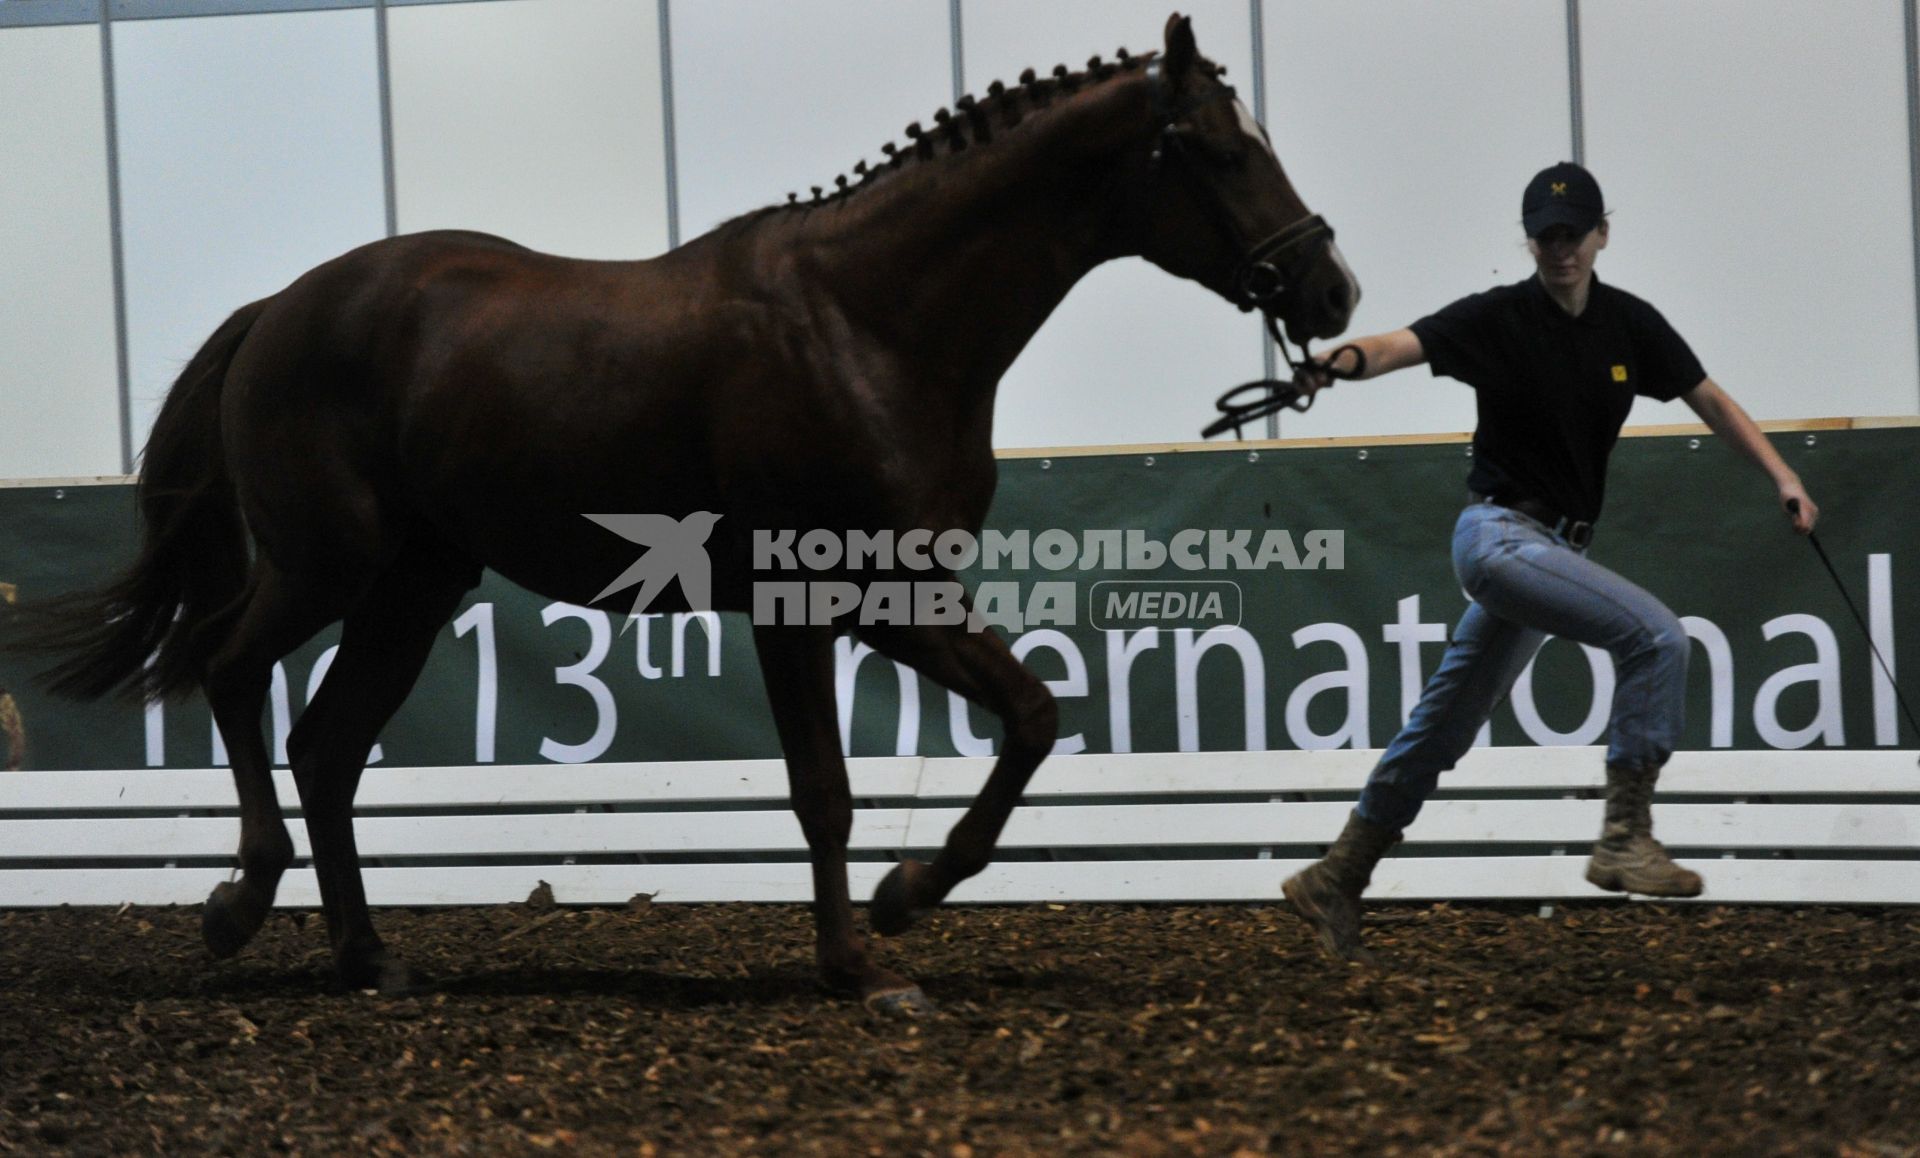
{"type": "Point", "coordinates": [775, 98]}
{"type": "Point", "coordinates": [1755, 156]}
{"type": "Point", "coordinates": [249, 152]}
{"type": "Point", "coordinates": [1133, 354]}
{"type": "Point", "coordinates": [1414, 127]}
{"type": "Point", "coordinates": [59, 377]}
{"type": "Point", "coordinates": [539, 120]}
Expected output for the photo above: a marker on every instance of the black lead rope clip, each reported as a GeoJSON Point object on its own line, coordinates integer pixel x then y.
{"type": "Point", "coordinates": [1275, 395]}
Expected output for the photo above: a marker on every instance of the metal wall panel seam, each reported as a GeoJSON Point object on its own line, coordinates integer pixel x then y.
{"type": "Point", "coordinates": [1269, 364]}
{"type": "Point", "coordinates": [118, 247]}
{"type": "Point", "coordinates": [666, 117]}
{"type": "Point", "coordinates": [1575, 97]}
{"type": "Point", "coordinates": [384, 59]}
{"type": "Point", "coordinates": [959, 50]}
{"type": "Point", "coordinates": [1912, 23]}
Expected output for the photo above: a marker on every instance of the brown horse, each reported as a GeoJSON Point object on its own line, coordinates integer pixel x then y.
{"type": "Point", "coordinates": [361, 444]}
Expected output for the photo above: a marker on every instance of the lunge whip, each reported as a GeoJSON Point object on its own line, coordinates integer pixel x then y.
{"type": "Point", "coordinates": [1793, 506]}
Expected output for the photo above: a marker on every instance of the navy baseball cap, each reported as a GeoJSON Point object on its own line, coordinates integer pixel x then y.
{"type": "Point", "coordinates": [1563, 194]}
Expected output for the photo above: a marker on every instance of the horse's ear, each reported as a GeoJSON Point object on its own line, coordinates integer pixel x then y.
{"type": "Point", "coordinates": [1181, 50]}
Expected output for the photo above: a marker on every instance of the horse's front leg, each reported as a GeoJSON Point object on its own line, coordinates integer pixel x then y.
{"type": "Point", "coordinates": [979, 666]}
{"type": "Point", "coordinates": [797, 664]}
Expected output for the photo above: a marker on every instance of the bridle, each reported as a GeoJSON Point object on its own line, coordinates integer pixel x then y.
{"type": "Point", "coordinates": [1268, 268]}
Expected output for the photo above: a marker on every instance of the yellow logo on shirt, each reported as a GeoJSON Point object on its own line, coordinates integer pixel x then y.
{"type": "Point", "coordinates": [1619, 373]}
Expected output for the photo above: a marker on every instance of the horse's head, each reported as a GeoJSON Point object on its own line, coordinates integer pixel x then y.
{"type": "Point", "coordinates": [1219, 208]}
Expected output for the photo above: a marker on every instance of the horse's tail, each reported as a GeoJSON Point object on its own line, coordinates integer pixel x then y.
{"type": "Point", "coordinates": [147, 633]}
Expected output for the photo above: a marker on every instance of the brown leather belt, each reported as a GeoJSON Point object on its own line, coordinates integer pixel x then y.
{"type": "Point", "coordinates": [1577, 532]}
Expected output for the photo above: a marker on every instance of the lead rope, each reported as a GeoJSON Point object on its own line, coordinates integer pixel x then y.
{"type": "Point", "coordinates": [1275, 395]}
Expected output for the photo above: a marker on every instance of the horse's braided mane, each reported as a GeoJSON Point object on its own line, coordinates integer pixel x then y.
{"type": "Point", "coordinates": [1003, 108]}
{"type": "Point", "coordinates": [970, 123]}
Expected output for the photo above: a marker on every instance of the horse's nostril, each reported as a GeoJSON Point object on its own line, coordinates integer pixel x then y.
{"type": "Point", "coordinates": [1338, 299]}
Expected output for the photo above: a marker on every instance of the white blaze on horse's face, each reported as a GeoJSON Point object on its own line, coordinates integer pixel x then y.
{"type": "Point", "coordinates": [1346, 273]}
{"type": "Point", "coordinates": [1258, 132]}
{"type": "Point", "coordinates": [1253, 128]}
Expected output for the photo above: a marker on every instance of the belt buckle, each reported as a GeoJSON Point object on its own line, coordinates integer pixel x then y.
{"type": "Point", "coordinates": [1579, 534]}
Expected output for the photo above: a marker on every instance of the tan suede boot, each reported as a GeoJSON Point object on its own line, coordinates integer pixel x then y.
{"type": "Point", "coordinates": [1326, 893]}
{"type": "Point", "coordinates": [1627, 859]}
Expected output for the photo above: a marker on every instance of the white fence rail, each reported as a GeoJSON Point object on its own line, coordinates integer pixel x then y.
{"type": "Point", "coordinates": [1514, 823]}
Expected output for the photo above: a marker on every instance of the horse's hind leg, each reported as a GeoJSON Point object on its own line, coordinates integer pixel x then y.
{"type": "Point", "coordinates": [383, 647]}
{"type": "Point", "coordinates": [797, 663]}
{"type": "Point", "coordinates": [279, 615]}
{"type": "Point", "coordinates": [979, 666]}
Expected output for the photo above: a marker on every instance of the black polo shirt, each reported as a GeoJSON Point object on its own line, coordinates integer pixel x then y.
{"type": "Point", "coordinates": [1553, 390]}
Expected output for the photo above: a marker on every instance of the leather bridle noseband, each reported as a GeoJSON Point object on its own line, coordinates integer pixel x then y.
{"type": "Point", "coordinates": [1268, 268]}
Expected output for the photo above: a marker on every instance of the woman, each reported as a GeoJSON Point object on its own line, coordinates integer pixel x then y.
{"type": "Point", "coordinates": [1556, 362]}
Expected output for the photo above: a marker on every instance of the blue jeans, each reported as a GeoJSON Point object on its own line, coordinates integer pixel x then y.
{"type": "Point", "coordinates": [1526, 583]}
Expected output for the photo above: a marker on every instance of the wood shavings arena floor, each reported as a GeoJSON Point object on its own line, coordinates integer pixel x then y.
{"type": "Point", "coordinates": [1084, 1029]}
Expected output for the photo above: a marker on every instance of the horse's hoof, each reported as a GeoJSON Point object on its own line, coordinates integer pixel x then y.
{"type": "Point", "coordinates": [385, 975]}
{"type": "Point", "coordinates": [398, 979]}
{"type": "Point", "coordinates": [224, 924]}
{"type": "Point", "coordinates": [892, 911]}
{"type": "Point", "coordinates": [909, 1002]}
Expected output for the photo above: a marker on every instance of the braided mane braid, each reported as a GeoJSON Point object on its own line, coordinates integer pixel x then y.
{"type": "Point", "coordinates": [974, 125]}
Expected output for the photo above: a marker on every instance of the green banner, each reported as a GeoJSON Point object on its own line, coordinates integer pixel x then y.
{"type": "Point", "coordinates": [1322, 598]}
